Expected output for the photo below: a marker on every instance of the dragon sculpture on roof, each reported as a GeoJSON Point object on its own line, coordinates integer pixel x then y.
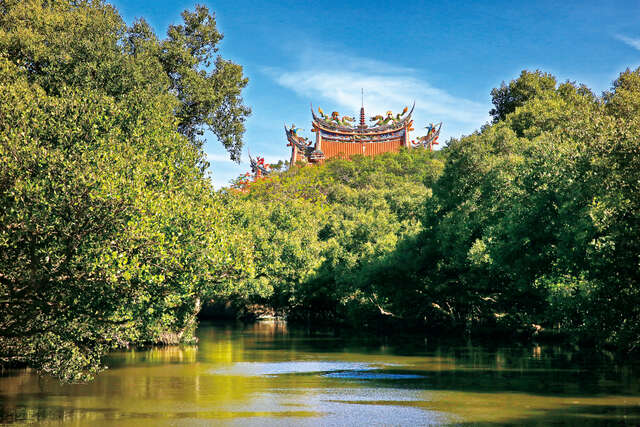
{"type": "Point", "coordinates": [390, 119]}
{"type": "Point", "coordinates": [336, 120]}
{"type": "Point", "coordinates": [347, 123]}
{"type": "Point", "coordinates": [304, 145]}
{"type": "Point", "coordinates": [431, 138]}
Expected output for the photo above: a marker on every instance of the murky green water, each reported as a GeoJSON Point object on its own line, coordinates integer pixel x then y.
{"type": "Point", "coordinates": [264, 374]}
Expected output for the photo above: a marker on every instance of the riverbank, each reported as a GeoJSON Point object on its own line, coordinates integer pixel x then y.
{"type": "Point", "coordinates": [271, 373]}
{"type": "Point", "coordinates": [388, 329]}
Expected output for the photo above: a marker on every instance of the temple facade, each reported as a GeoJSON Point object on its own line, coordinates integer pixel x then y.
{"type": "Point", "coordinates": [337, 136]}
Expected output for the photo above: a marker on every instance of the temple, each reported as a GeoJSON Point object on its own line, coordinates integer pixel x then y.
{"type": "Point", "coordinates": [340, 137]}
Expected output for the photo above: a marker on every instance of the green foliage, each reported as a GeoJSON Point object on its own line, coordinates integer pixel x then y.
{"type": "Point", "coordinates": [529, 224]}
{"type": "Point", "coordinates": [622, 101]}
{"type": "Point", "coordinates": [110, 233]}
{"type": "Point", "coordinates": [533, 219]}
{"type": "Point", "coordinates": [206, 97]}
{"type": "Point", "coordinates": [528, 86]}
{"type": "Point", "coordinates": [316, 229]}
{"type": "Point", "coordinates": [85, 44]}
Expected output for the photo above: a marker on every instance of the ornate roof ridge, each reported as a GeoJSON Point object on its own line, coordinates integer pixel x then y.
{"type": "Point", "coordinates": [326, 125]}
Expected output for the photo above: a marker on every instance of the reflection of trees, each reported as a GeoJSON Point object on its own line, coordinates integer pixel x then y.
{"type": "Point", "coordinates": [268, 328]}
{"type": "Point", "coordinates": [527, 410]}
{"type": "Point", "coordinates": [481, 384]}
{"type": "Point", "coordinates": [165, 354]}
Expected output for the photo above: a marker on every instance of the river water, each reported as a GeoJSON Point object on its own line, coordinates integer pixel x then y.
{"type": "Point", "coordinates": [265, 374]}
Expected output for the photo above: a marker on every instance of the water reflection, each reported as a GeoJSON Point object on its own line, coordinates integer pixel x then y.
{"type": "Point", "coordinates": [266, 374]}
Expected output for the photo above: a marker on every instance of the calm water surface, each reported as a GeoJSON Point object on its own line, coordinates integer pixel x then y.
{"type": "Point", "coordinates": [264, 374]}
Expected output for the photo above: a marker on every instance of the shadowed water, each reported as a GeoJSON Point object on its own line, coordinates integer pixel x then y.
{"type": "Point", "coordinates": [264, 374]}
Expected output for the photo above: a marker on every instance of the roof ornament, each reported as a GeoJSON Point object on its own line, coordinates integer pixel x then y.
{"type": "Point", "coordinates": [431, 138]}
{"type": "Point", "coordinates": [363, 123]}
{"type": "Point", "coordinates": [258, 166]}
{"type": "Point", "coordinates": [347, 123]}
{"type": "Point", "coordinates": [390, 119]}
{"type": "Point", "coordinates": [303, 144]}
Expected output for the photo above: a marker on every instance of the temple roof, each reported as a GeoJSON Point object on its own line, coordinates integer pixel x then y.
{"type": "Point", "coordinates": [303, 144]}
{"type": "Point", "coordinates": [258, 165]}
{"type": "Point", "coordinates": [334, 124]}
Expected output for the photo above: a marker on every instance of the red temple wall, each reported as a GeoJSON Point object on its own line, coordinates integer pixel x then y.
{"type": "Point", "coordinates": [299, 157]}
{"type": "Point", "coordinates": [347, 149]}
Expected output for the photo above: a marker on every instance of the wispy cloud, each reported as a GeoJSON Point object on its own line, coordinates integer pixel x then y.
{"type": "Point", "coordinates": [338, 80]}
{"type": "Point", "coordinates": [218, 158]}
{"type": "Point", "coordinates": [634, 43]}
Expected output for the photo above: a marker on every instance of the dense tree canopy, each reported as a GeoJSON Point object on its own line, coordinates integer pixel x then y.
{"type": "Point", "coordinates": [529, 225]}
{"type": "Point", "coordinates": [110, 232]}
{"type": "Point", "coordinates": [317, 227]}
{"type": "Point", "coordinates": [528, 86]}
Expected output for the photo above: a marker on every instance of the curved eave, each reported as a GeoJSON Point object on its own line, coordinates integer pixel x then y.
{"type": "Point", "coordinates": [296, 141]}
{"type": "Point", "coordinates": [254, 165]}
{"type": "Point", "coordinates": [432, 138]}
{"type": "Point", "coordinates": [290, 136]}
{"type": "Point", "coordinates": [288, 132]}
{"type": "Point", "coordinates": [381, 130]}
{"type": "Point", "coordinates": [393, 127]}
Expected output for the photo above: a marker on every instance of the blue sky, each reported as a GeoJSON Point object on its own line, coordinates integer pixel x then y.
{"type": "Point", "coordinates": [445, 55]}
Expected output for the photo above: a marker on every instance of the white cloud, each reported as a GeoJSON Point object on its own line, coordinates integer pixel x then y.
{"type": "Point", "coordinates": [218, 158]}
{"type": "Point", "coordinates": [634, 43]}
{"type": "Point", "coordinates": [339, 79]}
{"type": "Point", "coordinates": [383, 92]}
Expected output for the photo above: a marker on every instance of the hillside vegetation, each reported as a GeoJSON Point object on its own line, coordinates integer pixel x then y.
{"type": "Point", "coordinates": [530, 224]}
